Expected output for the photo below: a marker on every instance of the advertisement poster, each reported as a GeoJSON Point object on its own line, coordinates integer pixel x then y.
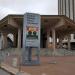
{"type": "Point", "coordinates": [31, 30]}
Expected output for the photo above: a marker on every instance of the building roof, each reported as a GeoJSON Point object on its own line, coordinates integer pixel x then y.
{"type": "Point", "coordinates": [62, 24]}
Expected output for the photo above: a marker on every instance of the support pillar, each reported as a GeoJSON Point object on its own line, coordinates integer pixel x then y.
{"type": "Point", "coordinates": [1, 40]}
{"type": "Point", "coordinates": [69, 46]}
{"type": "Point", "coordinates": [5, 44]}
{"type": "Point", "coordinates": [53, 42]}
{"type": "Point", "coordinates": [19, 37]}
{"type": "Point", "coordinates": [47, 41]}
{"type": "Point", "coordinates": [56, 42]}
{"type": "Point", "coordinates": [60, 42]}
{"type": "Point", "coordinates": [15, 40]}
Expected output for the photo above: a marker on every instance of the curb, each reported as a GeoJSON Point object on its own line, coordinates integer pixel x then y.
{"type": "Point", "coordinates": [8, 69]}
{"type": "Point", "coordinates": [11, 70]}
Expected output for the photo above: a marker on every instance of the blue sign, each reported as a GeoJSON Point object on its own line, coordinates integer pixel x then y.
{"type": "Point", "coordinates": [31, 30]}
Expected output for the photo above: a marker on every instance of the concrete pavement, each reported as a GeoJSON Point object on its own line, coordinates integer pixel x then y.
{"type": "Point", "coordinates": [2, 72]}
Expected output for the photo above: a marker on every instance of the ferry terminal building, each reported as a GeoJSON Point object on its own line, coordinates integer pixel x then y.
{"type": "Point", "coordinates": [52, 26]}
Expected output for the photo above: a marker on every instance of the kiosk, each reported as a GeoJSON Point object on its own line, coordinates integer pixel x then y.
{"type": "Point", "coordinates": [31, 38]}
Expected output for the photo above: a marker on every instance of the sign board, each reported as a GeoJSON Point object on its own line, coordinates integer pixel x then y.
{"type": "Point", "coordinates": [31, 30]}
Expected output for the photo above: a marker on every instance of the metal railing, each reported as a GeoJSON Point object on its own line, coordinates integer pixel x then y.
{"type": "Point", "coordinates": [43, 52]}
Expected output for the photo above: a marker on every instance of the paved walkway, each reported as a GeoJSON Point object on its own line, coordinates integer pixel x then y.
{"type": "Point", "coordinates": [2, 72]}
{"type": "Point", "coordinates": [12, 70]}
{"type": "Point", "coordinates": [64, 66]}
{"type": "Point", "coordinates": [9, 68]}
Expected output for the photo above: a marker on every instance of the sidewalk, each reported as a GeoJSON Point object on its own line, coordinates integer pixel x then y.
{"type": "Point", "coordinates": [11, 70]}
{"type": "Point", "coordinates": [64, 66]}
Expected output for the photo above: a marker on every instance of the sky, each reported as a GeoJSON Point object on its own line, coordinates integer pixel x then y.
{"type": "Point", "coordinates": [43, 7]}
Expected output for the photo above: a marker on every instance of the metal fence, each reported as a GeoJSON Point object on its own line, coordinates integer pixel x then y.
{"type": "Point", "coordinates": [43, 52]}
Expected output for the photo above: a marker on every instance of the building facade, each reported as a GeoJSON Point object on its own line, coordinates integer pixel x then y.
{"type": "Point", "coordinates": [52, 26]}
{"type": "Point", "coordinates": [67, 8]}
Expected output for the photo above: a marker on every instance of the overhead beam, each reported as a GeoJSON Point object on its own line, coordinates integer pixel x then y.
{"type": "Point", "coordinates": [12, 22]}
{"type": "Point", "coordinates": [60, 23]}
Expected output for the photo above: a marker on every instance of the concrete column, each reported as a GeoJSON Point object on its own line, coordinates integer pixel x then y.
{"type": "Point", "coordinates": [19, 37]}
{"type": "Point", "coordinates": [60, 42]}
{"type": "Point", "coordinates": [56, 42]}
{"type": "Point", "coordinates": [1, 40]}
{"type": "Point", "coordinates": [69, 46]}
{"type": "Point", "coordinates": [15, 40]}
{"type": "Point", "coordinates": [47, 41]}
{"type": "Point", "coordinates": [53, 36]}
{"type": "Point", "coordinates": [5, 44]}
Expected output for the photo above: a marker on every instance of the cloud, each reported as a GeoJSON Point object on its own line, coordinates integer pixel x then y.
{"type": "Point", "coordinates": [5, 11]}
{"type": "Point", "coordinates": [48, 7]}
